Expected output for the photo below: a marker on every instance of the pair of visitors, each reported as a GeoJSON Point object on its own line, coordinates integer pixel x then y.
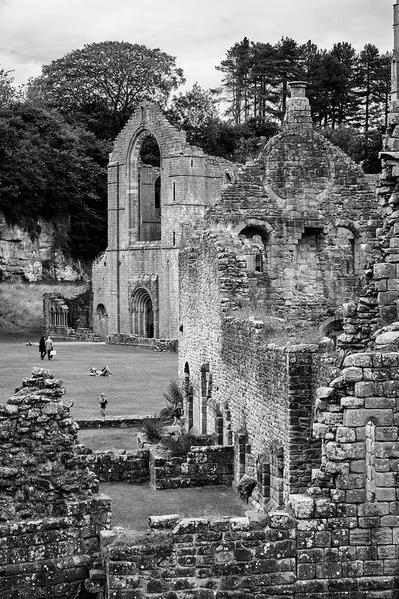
{"type": "Point", "coordinates": [106, 371]}
{"type": "Point", "coordinates": [46, 347]}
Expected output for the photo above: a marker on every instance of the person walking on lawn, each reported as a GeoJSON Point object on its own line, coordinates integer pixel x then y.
{"type": "Point", "coordinates": [42, 347]}
{"type": "Point", "coordinates": [49, 347]}
{"type": "Point", "coordinates": [103, 404]}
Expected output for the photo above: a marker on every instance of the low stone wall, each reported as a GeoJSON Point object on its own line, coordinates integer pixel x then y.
{"type": "Point", "coordinates": [115, 422]}
{"type": "Point", "coordinates": [258, 556]}
{"type": "Point", "coordinates": [224, 558]}
{"type": "Point", "coordinates": [202, 466]}
{"type": "Point", "coordinates": [52, 557]}
{"type": "Point", "coordinates": [155, 344]}
{"type": "Point", "coordinates": [120, 466]}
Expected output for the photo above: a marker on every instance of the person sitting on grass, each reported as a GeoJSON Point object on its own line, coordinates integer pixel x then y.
{"type": "Point", "coordinates": [104, 372]}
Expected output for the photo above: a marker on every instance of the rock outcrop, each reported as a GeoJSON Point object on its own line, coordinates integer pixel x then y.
{"type": "Point", "coordinates": [34, 259]}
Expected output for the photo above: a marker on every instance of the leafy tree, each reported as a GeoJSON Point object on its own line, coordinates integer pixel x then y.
{"type": "Point", "coordinates": [53, 170]}
{"type": "Point", "coordinates": [7, 90]}
{"type": "Point", "coordinates": [236, 69]}
{"type": "Point", "coordinates": [372, 79]}
{"type": "Point", "coordinates": [362, 147]}
{"type": "Point", "coordinates": [102, 83]}
{"type": "Point", "coordinates": [193, 110]}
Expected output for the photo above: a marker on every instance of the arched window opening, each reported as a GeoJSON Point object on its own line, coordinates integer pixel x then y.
{"type": "Point", "coordinates": [149, 190]}
{"type": "Point", "coordinates": [101, 311]}
{"type": "Point", "coordinates": [332, 328]}
{"type": "Point", "coordinates": [256, 258]}
{"type": "Point", "coordinates": [142, 314]}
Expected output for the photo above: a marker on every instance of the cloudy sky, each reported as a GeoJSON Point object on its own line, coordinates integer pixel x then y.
{"type": "Point", "coordinates": [197, 32]}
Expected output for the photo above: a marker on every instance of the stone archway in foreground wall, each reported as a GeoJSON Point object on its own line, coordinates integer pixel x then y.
{"type": "Point", "coordinates": [143, 317]}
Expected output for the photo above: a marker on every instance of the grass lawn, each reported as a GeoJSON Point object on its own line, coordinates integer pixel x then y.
{"type": "Point", "coordinates": [140, 376]}
{"type": "Point", "coordinates": [109, 438]}
{"type": "Point", "coordinates": [133, 504]}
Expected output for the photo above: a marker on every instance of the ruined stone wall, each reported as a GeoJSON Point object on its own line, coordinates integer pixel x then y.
{"type": "Point", "coordinates": [51, 557]}
{"type": "Point", "coordinates": [339, 539]}
{"type": "Point", "coordinates": [119, 466]}
{"type": "Point", "coordinates": [50, 513]}
{"type": "Point", "coordinates": [60, 313]}
{"type": "Point", "coordinates": [316, 237]}
{"type": "Point", "coordinates": [202, 466]}
{"type": "Point", "coordinates": [239, 384]}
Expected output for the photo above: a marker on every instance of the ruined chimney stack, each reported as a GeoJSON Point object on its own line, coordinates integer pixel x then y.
{"type": "Point", "coordinates": [298, 108]}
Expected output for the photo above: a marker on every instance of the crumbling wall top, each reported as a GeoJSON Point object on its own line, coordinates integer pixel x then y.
{"type": "Point", "coordinates": [40, 468]}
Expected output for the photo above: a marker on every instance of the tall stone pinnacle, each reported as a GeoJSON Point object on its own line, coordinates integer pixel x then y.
{"type": "Point", "coordinates": [298, 108]}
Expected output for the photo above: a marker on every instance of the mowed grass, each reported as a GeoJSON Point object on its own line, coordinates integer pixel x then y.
{"type": "Point", "coordinates": [109, 438]}
{"type": "Point", "coordinates": [132, 505]}
{"type": "Point", "coordinates": [140, 376]}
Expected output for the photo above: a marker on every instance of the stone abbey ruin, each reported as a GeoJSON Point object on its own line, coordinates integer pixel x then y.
{"type": "Point", "coordinates": [199, 249]}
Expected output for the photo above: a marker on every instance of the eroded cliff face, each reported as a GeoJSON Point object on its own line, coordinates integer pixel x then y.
{"type": "Point", "coordinates": [22, 258]}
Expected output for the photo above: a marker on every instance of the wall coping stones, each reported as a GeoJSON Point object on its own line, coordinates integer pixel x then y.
{"type": "Point", "coordinates": [115, 422]}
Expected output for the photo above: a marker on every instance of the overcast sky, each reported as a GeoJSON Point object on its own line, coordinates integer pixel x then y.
{"type": "Point", "coordinates": [197, 32]}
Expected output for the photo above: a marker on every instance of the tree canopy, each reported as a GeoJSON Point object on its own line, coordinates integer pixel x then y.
{"type": "Point", "coordinates": [53, 170]}
{"type": "Point", "coordinates": [102, 83]}
{"type": "Point", "coordinates": [344, 86]}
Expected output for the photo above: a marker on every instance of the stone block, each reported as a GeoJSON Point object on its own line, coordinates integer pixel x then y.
{"type": "Point", "coordinates": [352, 374]}
{"type": "Point", "coordinates": [386, 479]}
{"type": "Point", "coordinates": [386, 298]}
{"type": "Point", "coordinates": [365, 389]}
{"type": "Point", "coordinates": [360, 417]}
{"type": "Point", "coordinates": [351, 402]}
{"type": "Point", "coordinates": [361, 360]}
{"type": "Point", "coordinates": [345, 435]}
{"type": "Point", "coordinates": [379, 402]}
{"type": "Point", "coordinates": [384, 270]}
{"type": "Point", "coordinates": [350, 481]}
{"type": "Point", "coordinates": [302, 505]}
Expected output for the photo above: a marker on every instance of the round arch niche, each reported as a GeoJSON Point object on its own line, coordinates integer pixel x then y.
{"type": "Point", "coordinates": [142, 314]}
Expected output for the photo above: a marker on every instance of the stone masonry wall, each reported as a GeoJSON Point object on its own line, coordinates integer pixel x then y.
{"type": "Point", "coordinates": [316, 214]}
{"type": "Point", "coordinates": [119, 466]}
{"type": "Point", "coordinates": [338, 540]}
{"type": "Point", "coordinates": [52, 557]}
{"type": "Point", "coordinates": [50, 515]}
{"type": "Point", "coordinates": [268, 391]}
{"type": "Point", "coordinates": [202, 466]}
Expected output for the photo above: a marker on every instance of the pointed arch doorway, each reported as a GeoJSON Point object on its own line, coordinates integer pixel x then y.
{"type": "Point", "coordinates": [142, 314]}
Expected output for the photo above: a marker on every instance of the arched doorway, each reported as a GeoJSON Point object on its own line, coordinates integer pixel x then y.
{"type": "Point", "coordinates": [142, 314]}
{"type": "Point", "coordinates": [101, 317]}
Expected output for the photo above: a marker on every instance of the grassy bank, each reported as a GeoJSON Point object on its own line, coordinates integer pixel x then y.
{"type": "Point", "coordinates": [21, 304]}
